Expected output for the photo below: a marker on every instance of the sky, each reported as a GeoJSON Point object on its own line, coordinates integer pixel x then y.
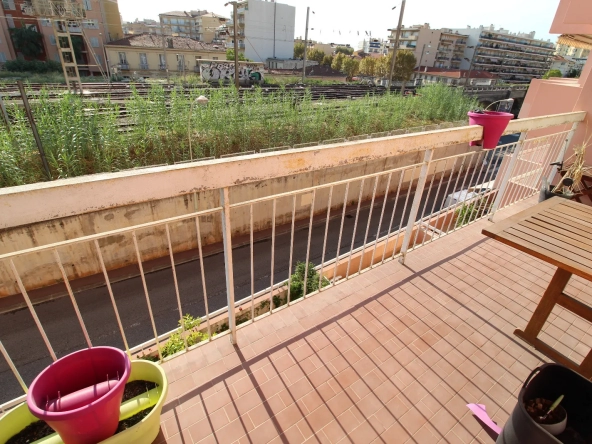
{"type": "Point", "coordinates": [332, 17]}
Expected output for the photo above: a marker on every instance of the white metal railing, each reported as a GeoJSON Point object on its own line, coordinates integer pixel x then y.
{"type": "Point", "coordinates": [417, 204]}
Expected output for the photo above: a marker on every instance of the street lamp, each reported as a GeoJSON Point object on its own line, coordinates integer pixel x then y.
{"type": "Point", "coordinates": [201, 100]}
{"type": "Point", "coordinates": [396, 45]}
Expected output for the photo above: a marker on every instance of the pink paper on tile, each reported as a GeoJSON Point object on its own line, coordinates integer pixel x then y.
{"type": "Point", "coordinates": [480, 412]}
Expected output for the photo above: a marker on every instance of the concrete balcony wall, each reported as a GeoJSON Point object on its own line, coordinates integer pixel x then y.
{"type": "Point", "coordinates": [80, 260]}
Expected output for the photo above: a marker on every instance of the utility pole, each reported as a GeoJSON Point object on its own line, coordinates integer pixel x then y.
{"type": "Point", "coordinates": [471, 66]}
{"type": "Point", "coordinates": [164, 49]}
{"type": "Point", "coordinates": [234, 20]}
{"type": "Point", "coordinates": [305, 45]}
{"type": "Point", "coordinates": [396, 45]}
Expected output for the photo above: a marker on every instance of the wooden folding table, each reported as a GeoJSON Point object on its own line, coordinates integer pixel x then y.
{"type": "Point", "coordinates": [557, 231]}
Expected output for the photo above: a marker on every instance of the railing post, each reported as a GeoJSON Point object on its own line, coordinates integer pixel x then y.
{"type": "Point", "coordinates": [15, 372]}
{"type": "Point", "coordinates": [561, 154]}
{"type": "Point", "coordinates": [226, 235]}
{"type": "Point", "coordinates": [421, 181]}
{"type": "Point", "coordinates": [506, 179]}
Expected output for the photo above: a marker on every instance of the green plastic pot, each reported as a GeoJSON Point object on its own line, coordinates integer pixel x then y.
{"type": "Point", "coordinates": [143, 432]}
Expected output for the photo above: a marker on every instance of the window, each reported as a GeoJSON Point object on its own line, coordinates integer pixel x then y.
{"type": "Point", "coordinates": [2, 57]}
{"type": "Point", "coordinates": [161, 60]}
{"type": "Point", "coordinates": [143, 59]}
{"type": "Point", "coordinates": [8, 4]}
{"type": "Point", "coordinates": [87, 5]}
{"type": "Point", "coordinates": [10, 21]}
{"type": "Point", "coordinates": [99, 59]}
{"type": "Point", "coordinates": [56, 57]}
{"type": "Point", "coordinates": [45, 22]}
{"type": "Point", "coordinates": [122, 58]}
{"type": "Point", "coordinates": [174, 21]}
{"type": "Point", "coordinates": [91, 24]}
{"type": "Point", "coordinates": [52, 39]}
{"type": "Point", "coordinates": [94, 42]}
{"type": "Point", "coordinates": [214, 58]}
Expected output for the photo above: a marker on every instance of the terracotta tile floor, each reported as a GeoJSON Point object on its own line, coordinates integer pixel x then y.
{"type": "Point", "coordinates": [391, 356]}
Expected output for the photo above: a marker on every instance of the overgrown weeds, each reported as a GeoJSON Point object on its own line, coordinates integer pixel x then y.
{"type": "Point", "coordinates": [83, 137]}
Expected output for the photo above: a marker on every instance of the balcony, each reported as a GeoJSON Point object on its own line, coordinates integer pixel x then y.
{"type": "Point", "coordinates": [144, 66]}
{"type": "Point", "coordinates": [384, 350]}
{"type": "Point", "coordinates": [124, 66]}
{"type": "Point", "coordinates": [162, 66]}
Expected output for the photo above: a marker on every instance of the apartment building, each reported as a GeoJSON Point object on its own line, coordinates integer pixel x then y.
{"type": "Point", "coordinates": [439, 48]}
{"type": "Point", "coordinates": [514, 57]}
{"type": "Point", "coordinates": [374, 46]}
{"type": "Point", "coordinates": [146, 26]}
{"type": "Point", "coordinates": [145, 54]}
{"type": "Point", "coordinates": [199, 25]}
{"type": "Point", "coordinates": [265, 30]}
{"type": "Point", "coordinates": [101, 25]}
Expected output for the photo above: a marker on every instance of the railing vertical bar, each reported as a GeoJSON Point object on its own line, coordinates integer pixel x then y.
{"type": "Point", "coordinates": [351, 250]}
{"type": "Point", "coordinates": [141, 267]}
{"type": "Point", "coordinates": [472, 180]}
{"type": "Point", "coordinates": [390, 227]}
{"type": "Point", "coordinates": [340, 232]}
{"type": "Point", "coordinates": [16, 373]}
{"type": "Point", "coordinates": [435, 200]}
{"type": "Point", "coordinates": [203, 276]}
{"type": "Point", "coordinates": [542, 161]}
{"type": "Point", "coordinates": [404, 210]}
{"type": "Point", "coordinates": [561, 154]}
{"type": "Point", "coordinates": [455, 204]}
{"type": "Point", "coordinates": [421, 181]}
{"type": "Point", "coordinates": [368, 224]}
{"type": "Point", "coordinates": [553, 152]}
{"type": "Point", "coordinates": [312, 204]}
{"type": "Point", "coordinates": [461, 202]}
{"type": "Point", "coordinates": [325, 238]}
{"type": "Point", "coordinates": [490, 177]}
{"type": "Point", "coordinates": [386, 193]}
{"type": "Point", "coordinates": [228, 263]}
{"type": "Point", "coordinates": [72, 298]}
{"type": "Point", "coordinates": [111, 295]}
{"type": "Point", "coordinates": [425, 204]}
{"type": "Point", "coordinates": [274, 206]}
{"type": "Point", "coordinates": [32, 310]}
{"type": "Point", "coordinates": [251, 247]}
{"type": "Point", "coordinates": [507, 176]}
{"type": "Point", "coordinates": [291, 246]}
{"type": "Point", "coordinates": [174, 270]}
{"type": "Point", "coordinates": [520, 169]}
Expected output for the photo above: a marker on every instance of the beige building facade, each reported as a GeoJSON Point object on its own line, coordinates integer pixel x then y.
{"type": "Point", "coordinates": [199, 25]}
{"type": "Point", "coordinates": [144, 55]}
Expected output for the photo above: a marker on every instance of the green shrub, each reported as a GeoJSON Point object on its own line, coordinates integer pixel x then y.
{"type": "Point", "coordinates": [175, 343]}
{"type": "Point", "coordinates": [32, 66]}
{"type": "Point", "coordinates": [312, 280]}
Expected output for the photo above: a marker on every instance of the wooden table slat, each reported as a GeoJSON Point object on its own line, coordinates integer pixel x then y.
{"type": "Point", "coordinates": [562, 234]}
{"type": "Point", "coordinates": [575, 205]}
{"type": "Point", "coordinates": [546, 242]}
{"type": "Point", "coordinates": [573, 212]}
{"type": "Point", "coordinates": [560, 220]}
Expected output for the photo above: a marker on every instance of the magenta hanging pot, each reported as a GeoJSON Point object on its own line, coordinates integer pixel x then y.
{"type": "Point", "coordinates": [494, 124]}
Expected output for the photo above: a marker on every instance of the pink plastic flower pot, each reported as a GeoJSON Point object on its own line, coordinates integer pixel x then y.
{"type": "Point", "coordinates": [494, 124]}
{"type": "Point", "coordinates": [79, 395]}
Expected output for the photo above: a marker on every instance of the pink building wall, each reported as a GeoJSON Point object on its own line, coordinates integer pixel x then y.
{"type": "Point", "coordinates": [556, 96]}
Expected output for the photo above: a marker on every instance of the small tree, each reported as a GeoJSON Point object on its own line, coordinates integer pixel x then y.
{"type": "Point", "coordinates": [552, 73]}
{"type": "Point", "coordinates": [350, 68]}
{"type": "Point", "coordinates": [574, 73]}
{"type": "Point", "coordinates": [404, 66]}
{"type": "Point", "coordinates": [299, 50]}
{"type": "Point", "coordinates": [27, 41]}
{"type": "Point", "coordinates": [344, 50]}
{"type": "Point", "coordinates": [317, 55]}
{"type": "Point", "coordinates": [337, 63]}
{"type": "Point", "coordinates": [383, 66]}
{"type": "Point", "coordinates": [368, 66]}
{"type": "Point", "coordinates": [327, 60]}
{"type": "Point", "coordinates": [230, 55]}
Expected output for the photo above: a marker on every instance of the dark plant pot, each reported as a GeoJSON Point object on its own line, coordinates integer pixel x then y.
{"type": "Point", "coordinates": [550, 381]}
{"type": "Point", "coordinates": [545, 194]}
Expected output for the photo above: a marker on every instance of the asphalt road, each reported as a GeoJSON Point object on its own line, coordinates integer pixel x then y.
{"type": "Point", "coordinates": [25, 345]}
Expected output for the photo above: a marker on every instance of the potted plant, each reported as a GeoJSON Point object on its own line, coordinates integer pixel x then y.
{"type": "Point", "coordinates": [494, 124]}
{"type": "Point", "coordinates": [139, 417]}
{"type": "Point", "coordinates": [571, 180]}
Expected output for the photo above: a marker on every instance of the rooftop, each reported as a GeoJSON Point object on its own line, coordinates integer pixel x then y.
{"type": "Point", "coordinates": [394, 355]}
{"type": "Point", "coordinates": [152, 41]}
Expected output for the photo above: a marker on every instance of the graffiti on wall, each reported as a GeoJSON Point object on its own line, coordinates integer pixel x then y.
{"type": "Point", "coordinates": [251, 73]}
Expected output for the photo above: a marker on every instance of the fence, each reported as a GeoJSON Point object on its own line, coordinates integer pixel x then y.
{"type": "Point", "coordinates": [411, 206]}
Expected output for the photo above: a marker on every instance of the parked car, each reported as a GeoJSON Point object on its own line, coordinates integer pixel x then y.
{"type": "Point", "coordinates": [469, 193]}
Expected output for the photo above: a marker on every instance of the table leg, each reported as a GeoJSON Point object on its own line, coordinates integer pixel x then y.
{"type": "Point", "coordinates": [586, 366]}
{"type": "Point", "coordinates": [548, 301]}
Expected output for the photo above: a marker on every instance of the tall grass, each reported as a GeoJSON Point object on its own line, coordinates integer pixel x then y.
{"type": "Point", "coordinates": [82, 137]}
